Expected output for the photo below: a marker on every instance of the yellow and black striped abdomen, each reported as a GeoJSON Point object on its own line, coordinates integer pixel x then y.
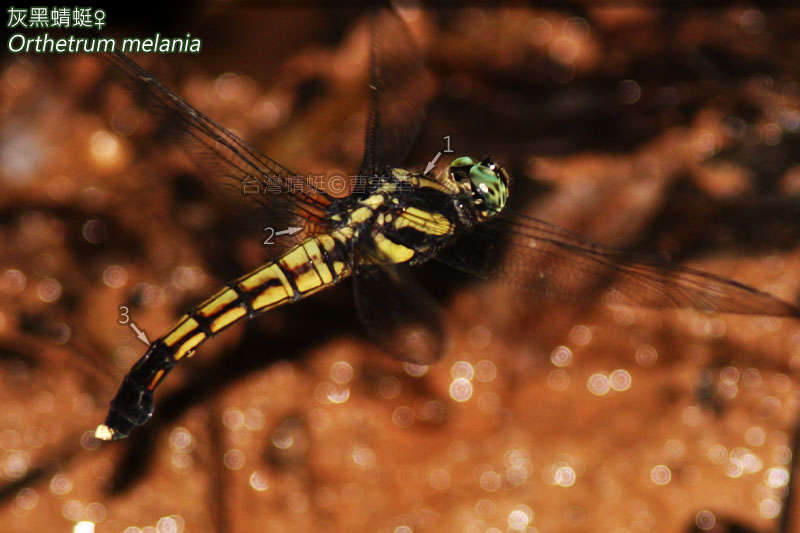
{"type": "Point", "coordinates": [306, 268]}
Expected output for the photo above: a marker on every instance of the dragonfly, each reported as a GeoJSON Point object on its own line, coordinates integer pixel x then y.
{"type": "Point", "coordinates": [395, 219]}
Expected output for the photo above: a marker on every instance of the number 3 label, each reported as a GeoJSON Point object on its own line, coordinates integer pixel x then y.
{"type": "Point", "coordinates": [124, 316]}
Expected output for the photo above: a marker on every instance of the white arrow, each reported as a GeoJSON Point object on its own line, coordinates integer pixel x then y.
{"type": "Point", "coordinates": [141, 335]}
{"type": "Point", "coordinates": [432, 163]}
{"type": "Point", "coordinates": [291, 230]}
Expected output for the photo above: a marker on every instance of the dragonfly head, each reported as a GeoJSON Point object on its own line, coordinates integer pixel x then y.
{"type": "Point", "coordinates": [486, 182]}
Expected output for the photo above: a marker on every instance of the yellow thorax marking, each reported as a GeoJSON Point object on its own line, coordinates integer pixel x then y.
{"type": "Point", "coordinates": [391, 252]}
{"type": "Point", "coordinates": [374, 201]}
{"type": "Point", "coordinates": [360, 215]}
{"type": "Point", "coordinates": [424, 221]}
{"type": "Point", "coordinates": [343, 234]}
{"type": "Point", "coordinates": [427, 183]}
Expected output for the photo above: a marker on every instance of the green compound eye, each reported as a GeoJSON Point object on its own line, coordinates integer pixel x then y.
{"type": "Point", "coordinates": [488, 185]}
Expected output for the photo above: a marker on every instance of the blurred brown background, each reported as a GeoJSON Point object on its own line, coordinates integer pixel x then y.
{"type": "Point", "coordinates": [672, 131]}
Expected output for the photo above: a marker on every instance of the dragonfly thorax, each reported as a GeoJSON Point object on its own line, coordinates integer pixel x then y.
{"type": "Point", "coordinates": [405, 219]}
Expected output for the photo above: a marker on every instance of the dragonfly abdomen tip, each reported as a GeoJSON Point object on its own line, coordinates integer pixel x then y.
{"type": "Point", "coordinates": [103, 432]}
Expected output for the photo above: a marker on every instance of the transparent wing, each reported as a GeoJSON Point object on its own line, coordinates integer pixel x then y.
{"type": "Point", "coordinates": [541, 257]}
{"type": "Point", "coordinates": [230, 162]}
{"type": "Point", "coordinates": [399, 90]}
{"type": "Point", "coordinates": [394, 309]}
{"type": "Point", "coordinates": [398, 313]}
